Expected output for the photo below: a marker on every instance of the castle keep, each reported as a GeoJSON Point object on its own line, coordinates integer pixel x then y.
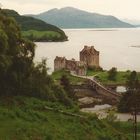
{"type": "Point", "coordinates": [89, 57]}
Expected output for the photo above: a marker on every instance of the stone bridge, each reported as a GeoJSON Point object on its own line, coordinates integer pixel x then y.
{"type": "Point", "coordinates": [110, 95]}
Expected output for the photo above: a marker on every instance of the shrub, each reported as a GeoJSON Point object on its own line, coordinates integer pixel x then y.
{"type": "Point", "coordinates": [112, 73]}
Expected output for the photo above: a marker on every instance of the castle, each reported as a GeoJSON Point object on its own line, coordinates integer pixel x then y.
{"type": "Point", "coordinates": [89, 57]}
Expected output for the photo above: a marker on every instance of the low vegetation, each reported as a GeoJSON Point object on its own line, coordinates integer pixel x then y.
{"type": "Point", "coordinates": [23, 118]}
{"type": "Point", "coordinates": [126, 128]}
{"type": "Point", "coordinates": [103, 76]}
{"type": "Point", "coordinates": [73, 80]}
{"type": "Point", "coordinates": [42, 36]}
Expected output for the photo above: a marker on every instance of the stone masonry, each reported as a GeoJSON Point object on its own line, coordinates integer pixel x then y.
{"type": "Point", "coordinates": [89, 57]}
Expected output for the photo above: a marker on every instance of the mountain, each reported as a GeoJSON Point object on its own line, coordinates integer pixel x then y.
{"type": "Point", "coordinates": [137, 25]}
{"type": "Point", "coordinates": [33, 24]}
{"type": "Point", "coordinates": [135, 22]}
{"type": "Point", "coordinates": [132, 21]}
{"type": "Point", "coordinates": [70, 17]}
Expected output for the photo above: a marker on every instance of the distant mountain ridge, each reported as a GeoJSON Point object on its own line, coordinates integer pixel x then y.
{"type": "Point", "coordinates": [134, 22]}
{"type": "Point", "coordinates": [70, 17]}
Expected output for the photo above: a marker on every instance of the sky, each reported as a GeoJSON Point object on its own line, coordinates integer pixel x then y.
{"type": "Point", "coordinates": [124, 9]}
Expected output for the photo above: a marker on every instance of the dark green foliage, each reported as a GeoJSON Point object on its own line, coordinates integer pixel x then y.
{"type": "Point", "coordinates": [62, 95]}
{"type": "Point", "coordinates": [112, 73]}
{"type": "Point", "coordinates": [24, 118]}
{"type": "Point", "coordinates": [16, 56]}
{"type": "Point", "coordinates": [18, 73]}
{"type": "Point", "coordinates": [133, 81]}
{"type": "Point", "coordinates": [93, 68]}
{"type": "Point", "coordinates": [131, 99]}
{"type": "Point", "coordinates": [64, 81]}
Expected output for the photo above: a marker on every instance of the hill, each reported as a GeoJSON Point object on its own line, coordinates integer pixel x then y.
{"type": "Point", "coordinates": [70, 17]}
{"type": "Point", "coordinates": [32, 24]}
{"type": "Point", "coordinates": [24, 118]}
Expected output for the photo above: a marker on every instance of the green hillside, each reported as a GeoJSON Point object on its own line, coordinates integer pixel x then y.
{"type": "Point", "coordinates": [30, 23]}
{"type": "Point", "coordinates": [27, 119]}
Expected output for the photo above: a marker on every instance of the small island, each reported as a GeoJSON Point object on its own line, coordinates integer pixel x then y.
{"type": "Point", "coordinates": [35, 29]}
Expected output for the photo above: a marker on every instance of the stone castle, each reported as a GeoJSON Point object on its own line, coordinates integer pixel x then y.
{"type": "Point", "coordinates": [89, 57]}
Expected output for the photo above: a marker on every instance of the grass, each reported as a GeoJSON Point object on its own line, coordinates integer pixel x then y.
{"type": "Point", "coordinates": [23, 118]}
{"type": "Point", "coordinates": [41, 35]}
{"type": "Point", "coordinates": [73, 80]}
{"type": "Point", "coordinates": [121, 77]}
{"type": "Point", "coordinates": [127, 128]}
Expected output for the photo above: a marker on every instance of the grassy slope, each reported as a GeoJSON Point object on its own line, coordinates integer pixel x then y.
{"type": "Point", "coordinates": [26, 119]}
{"type": "Point", "coordinates": [73, 80]}
{"type": "Point", "coordinates": [103, 77]}
{"type": "Point", "coordinates": [127, 128]}
{"type": "Point", "coordinates": [42, 35]}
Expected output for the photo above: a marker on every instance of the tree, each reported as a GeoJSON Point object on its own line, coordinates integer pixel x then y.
{"type": "Point", "coordinates": [131, 99]}
{"type": "Point", "coordinates": [112, 73]}
{"type": "Point", "coordinates": [16, 56]}
{"type": "Point", "coordinates": [132, 82]}
{"type": "Point", "coordinates": [64, 81]}
{"type": "Point", "coordinates": [19, 75]}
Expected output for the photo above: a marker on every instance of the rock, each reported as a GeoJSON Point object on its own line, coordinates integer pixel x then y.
{"type": "Point", "coordinates": [89, 100]}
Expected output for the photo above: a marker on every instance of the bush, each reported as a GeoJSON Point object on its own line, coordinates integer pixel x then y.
{"type": "Point", "coordinates": [93, 68]}
{"type": "Point", "coordinates": [112, 74]}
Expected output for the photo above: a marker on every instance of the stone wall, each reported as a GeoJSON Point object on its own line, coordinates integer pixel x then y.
{"type": "Point", "coordinates": [59, 63]}
{"type": "Point", "coordinates": [89, 57]}
{"type": "Point", "coordinates": [76, 67]}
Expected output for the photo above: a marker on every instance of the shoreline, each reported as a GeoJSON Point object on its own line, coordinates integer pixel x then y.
{"type": "Point", "coordinates": [102, 113]}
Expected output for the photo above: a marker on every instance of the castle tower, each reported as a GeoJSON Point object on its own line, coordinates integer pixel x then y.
{"type": "Point", "coordinates": [90, 56]}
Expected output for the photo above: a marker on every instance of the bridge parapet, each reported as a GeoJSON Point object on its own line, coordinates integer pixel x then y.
{"type": "Point", "coordinates": [101, 89]}
{"type": "Point", "coordinates": [104, 91]}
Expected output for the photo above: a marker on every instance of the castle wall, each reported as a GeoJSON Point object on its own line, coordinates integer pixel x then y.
{"type": "Point", "coordinates": [89, 57]}
{"type": "Point", "coordinates": [94, 61]}
{"type": "Point", "coordinates": [71, 65]}
{"type": "Point", "coordinates": [59, 63]}
{"type": "Point", "coordinates": [81, 71]}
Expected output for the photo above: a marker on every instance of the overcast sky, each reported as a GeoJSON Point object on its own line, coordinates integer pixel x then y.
{"type": "Point", "coordinates": [121, 8]}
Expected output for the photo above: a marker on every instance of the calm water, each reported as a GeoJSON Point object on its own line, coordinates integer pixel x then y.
{"type": "Point", "coordinates": [114, 46]}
